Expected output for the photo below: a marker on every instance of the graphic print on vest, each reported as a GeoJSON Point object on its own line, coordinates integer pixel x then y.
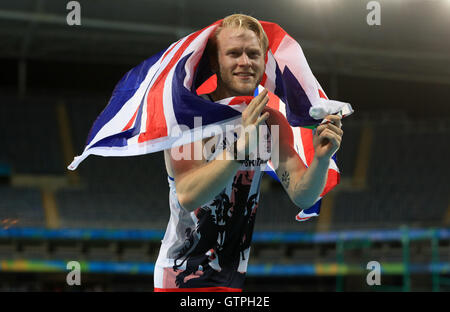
{"type": "Point", "coordinates": [222, 233]}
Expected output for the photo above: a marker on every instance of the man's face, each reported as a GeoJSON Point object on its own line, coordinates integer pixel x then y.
{"type": "Point", "coordinates": [241, 63]}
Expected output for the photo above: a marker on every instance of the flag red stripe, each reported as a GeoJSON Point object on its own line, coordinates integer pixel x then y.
{"type": "Point", "coordinates": [168, 51]}
{"type": "Point", "coordinates": [130, 123]}
{"type": "Point", "coordinates": [240, 99]}
{"type": "Point", "coordinates": [156, 121]}
{"type": "Point", "coordinates": [322, 95]}
{"type": "Point", "coordinates": [307, 140]}
{"type": "Point", "coordinates": [275, 34]}
{"type": "Point", "coordinates": [274, 101]}
{"type": "Point", "coordinates": [299, 219]}
{"type": "Point", "coordinates": [208, 86]}
{"type": "Point", "coordinates": [333, 179]}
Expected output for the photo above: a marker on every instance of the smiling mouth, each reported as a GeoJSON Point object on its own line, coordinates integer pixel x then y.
{"type": "Point", "coordinates": [243, 75]}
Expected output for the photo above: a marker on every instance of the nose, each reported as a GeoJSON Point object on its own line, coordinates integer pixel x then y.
{"type": "Point", "coordinates": [244, 60]}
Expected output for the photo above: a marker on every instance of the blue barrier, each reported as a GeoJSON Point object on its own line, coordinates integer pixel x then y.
{"type": "Point", "coordinates": [267, 269]}
{"type": "Point", "coordinates": [258, 236]}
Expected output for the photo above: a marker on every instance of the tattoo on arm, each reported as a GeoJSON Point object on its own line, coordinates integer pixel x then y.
{"type": "Point", "coordinates": [285, 178]}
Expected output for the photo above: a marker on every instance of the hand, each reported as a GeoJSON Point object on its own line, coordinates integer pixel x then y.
{"type": "Point", "coordinates": [251, 114]}
{"type": "Point", "coordinates": [251, 119]}
{"type": "Point", "coordinates": [327, 138]}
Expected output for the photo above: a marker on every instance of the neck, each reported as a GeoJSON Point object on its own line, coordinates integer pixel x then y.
{"type": "Point", "coordinates": [217, 95]}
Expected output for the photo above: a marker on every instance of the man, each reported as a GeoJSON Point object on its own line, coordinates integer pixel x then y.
{"type": "Point", "coordinates": [213, 201]}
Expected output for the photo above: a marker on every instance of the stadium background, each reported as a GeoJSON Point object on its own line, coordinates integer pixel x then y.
{"type": "Point", "coordinates": [392, 205]}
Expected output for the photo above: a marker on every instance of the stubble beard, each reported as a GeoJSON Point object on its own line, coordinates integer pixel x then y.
{"type": "Point", "coordinates": [233, 88]}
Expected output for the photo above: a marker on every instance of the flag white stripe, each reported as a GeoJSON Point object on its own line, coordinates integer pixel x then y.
{"type": "Point", "coordinates": [197, 46]}
{"type": "Point", "coordinates": [270, 72]}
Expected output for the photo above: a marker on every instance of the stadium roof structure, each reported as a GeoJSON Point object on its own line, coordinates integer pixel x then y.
{"type": "Point", "coordinates": [411, 43]}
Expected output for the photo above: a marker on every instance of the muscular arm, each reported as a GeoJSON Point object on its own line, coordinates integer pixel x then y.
{"type": "Point", "coordinates": [304, 185]}
{"type": "Point", "coordinates": [197, 181]}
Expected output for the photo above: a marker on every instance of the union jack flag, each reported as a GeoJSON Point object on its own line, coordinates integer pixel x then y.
{"type": "Point", "coordinates": [162, 93]}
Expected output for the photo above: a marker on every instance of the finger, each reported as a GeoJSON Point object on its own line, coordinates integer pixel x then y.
{"type": "Point", "coordinates": [331, 136]}
{"type": "Point", "coordinates": [335, 119]}
{"type": "Point", "coordinates": [262, 118]}
{"type": "Point", "coordinates": [327, 133]}
{"type": "Point", "coordinates": [256, 100]}
{"type": "Point", "coordinates": [320, 129]}
{"type": "Point", "coordinates": [257, 111]}
{"type": "Point", "coordinates": [261, 105]}
{"type": "Point", "coordinates": [335, 129]}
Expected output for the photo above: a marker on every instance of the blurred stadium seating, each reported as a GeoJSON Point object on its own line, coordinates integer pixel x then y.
{"type": "Point", "coordinates": [23, 125]}
{"type": "Point", "coordinates": [21, 207]}
{"type": "Point", "coordinates": [405, 183]}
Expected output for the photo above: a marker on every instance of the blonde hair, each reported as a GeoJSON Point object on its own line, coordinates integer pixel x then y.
{"type": "Point", "coordinates": [240, 21]}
